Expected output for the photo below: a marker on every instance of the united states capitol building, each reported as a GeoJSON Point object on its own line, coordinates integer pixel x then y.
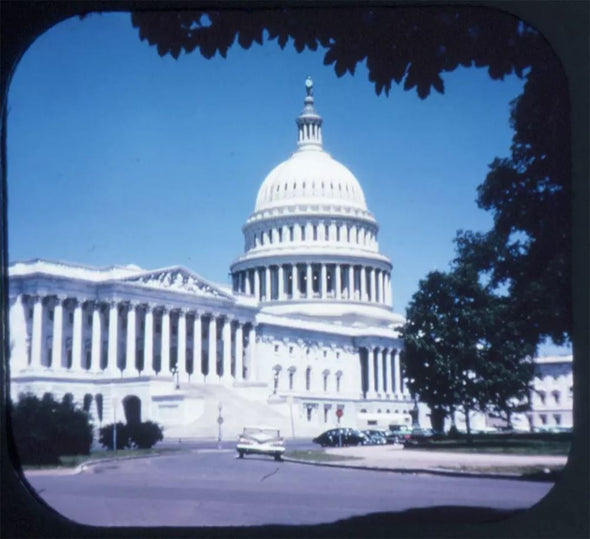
{"type": "Point", "coordinates": [305, 329]}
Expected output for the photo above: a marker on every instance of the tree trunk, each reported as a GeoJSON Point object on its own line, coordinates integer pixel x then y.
{"type": "Point", "coordinates": [468, 426]}
{"type": "Point", "coordinates": [437, 419]}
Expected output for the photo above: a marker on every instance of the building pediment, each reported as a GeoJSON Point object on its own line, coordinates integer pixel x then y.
{"type": "Point", "coordinates": [178, 279]}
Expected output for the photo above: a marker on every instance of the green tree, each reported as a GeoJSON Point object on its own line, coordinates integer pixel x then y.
{"type": "Point", "coordinates": [441, 356]}
{"type": "Point", "coordinates": [45, 429]}
{"type": "Point", "coordinates": [463, 349]}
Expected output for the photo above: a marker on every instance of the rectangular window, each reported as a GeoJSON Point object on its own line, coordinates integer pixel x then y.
{"type": "Point", "coordinates": [557, 418]}
{"type": "Point", "coordinates": [50, 315]}
{"type": "Point", "coordinates": [291, 233]}
{"type": "Point", "coordinates": [71, 318]}
{"type": "Point", "coordinates": [89, 320]}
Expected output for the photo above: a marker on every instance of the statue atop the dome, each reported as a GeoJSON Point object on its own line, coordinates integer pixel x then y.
{"type": "Point", "coordinates": [309, 86]}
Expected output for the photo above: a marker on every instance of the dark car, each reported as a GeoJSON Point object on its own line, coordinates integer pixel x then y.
{"type": "Point", "coordinates": [375, 437]}
{"type": "Point", "coordinates": [341, 436]}
{"type": "Point", "coordinates": [420, 436]}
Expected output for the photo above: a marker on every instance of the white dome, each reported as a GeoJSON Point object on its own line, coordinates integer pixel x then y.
{"type": "Point", "coordinates": [310, 177]}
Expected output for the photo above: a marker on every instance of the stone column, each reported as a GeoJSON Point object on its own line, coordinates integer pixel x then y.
{"type": "Point", "coordinates": [281, 283]}
{"type": "Point", "coordinates": [381, 287]}
{"type": "Point", "coordinates": [379, 368]}
{"type": "Point", "coordinates": [256, 283]}
{"type": "Point", "coordinates": [323, 281]}
{"type": "Point", "coordinates": [213, 346]}
{"type": "Point", "coordinates": [308, 284]}
{"type": "Point", "coordinates": [377, 289]}
{"type": "Point", "coordinates": [57, 344]}
{"type": "Point", "coordinates": [165, 353]}
{"type": "Point", "coordinates": [248, 287]}
{"type": "Point", "coordinates": [37, 332]}
{"type": "Point", "coordinates": [388, 289]}
{"type": "Point", "coordinates": [373, 284]}
{"type": "Point", "coordinates": [113, 328]}
{"type": "Point", "coordinates": [130, 341]}
{"type": "Point", "coordinates": [197, 348]}
{"type": "Point", "coordinates": [226, 338]}
{"type": "Point", "coordinates": [351, 282]}
{"type": "Point", "coordinates": [384, 362]}
{"type": "Point", "coordinates": [267, 290]}
{"type": "Point", "coordinates": [294, 284]}
{"type": "Point", "coordinates": [363, 291]}
{"type": "Point", "coordinates": [252, 352]}
{"type": "Point", "coordinates": [96, 338]}
{"type": "Point", "coordinates": [397, 373]}
{"type": "Point", "coordinates": [239, 374]}
{"type": "Point", "coordinates": [181, 344]}
{"type": "Point", "coordinates": [338, 281]}
{"type": "Point", "coordinates": [370, 373]}
{"type": "Point", "coordinates": [77, 337]}
{"type": "Point", "coordinates": [19, 358]}
{"type": "Point", "coordinates": [148, 342]}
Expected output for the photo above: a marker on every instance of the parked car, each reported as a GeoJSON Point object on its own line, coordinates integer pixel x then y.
{"type": "Point", "coordinates": [341, 436]}
{"type": "Point", "coordinates": [400, 432]}
{"type": "Point", "coordinates": [420, 436]}
{"type": "Point", "coordinates": [261, 441]}
{"type": "Point", "coordinates": [375, 436]}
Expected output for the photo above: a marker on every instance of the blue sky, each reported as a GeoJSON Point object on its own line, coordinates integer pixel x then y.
{"type": "Point", "coordinates": [118, 156]}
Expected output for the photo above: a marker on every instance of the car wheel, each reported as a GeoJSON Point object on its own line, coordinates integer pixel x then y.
{"type": "Point", "coordinates": [278, 456]}
{"type": "Point", "coordinates": [241, 454]}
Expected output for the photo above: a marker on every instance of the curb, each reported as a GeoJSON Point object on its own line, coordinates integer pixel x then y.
{"type": "Point", "coordinates": [431, 471]}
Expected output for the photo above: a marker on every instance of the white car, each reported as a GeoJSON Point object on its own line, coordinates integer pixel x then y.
{"type": "Point", "coordinates": [261, 441]}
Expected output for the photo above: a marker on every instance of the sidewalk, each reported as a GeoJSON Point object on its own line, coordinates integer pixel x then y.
{"type": "Point", "coordinates": [396, 458]}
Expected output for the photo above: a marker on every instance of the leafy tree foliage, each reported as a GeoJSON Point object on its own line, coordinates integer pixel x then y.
{"type": "Point", "coordinates": [45, 429]}
{"type": "Point", "coordinates": [462, 352]}
{"type": "Point", "coordinates": [412, 45]}
{"type": "Point", "coordinates": [528, 250]}
{"type": "Point", "coordinates": [141, 435]}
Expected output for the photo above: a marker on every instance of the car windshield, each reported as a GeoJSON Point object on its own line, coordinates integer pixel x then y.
{"type": "Point", "coordinates": [262, 433]}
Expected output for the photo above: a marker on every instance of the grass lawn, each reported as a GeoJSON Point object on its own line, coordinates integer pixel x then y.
{"type": "Point", "coordinates": [71, 461]}
{"type": "Point", "coordinates": [533, 473]}
{"type": "Point", "coordinates": [318, 455]}
{"type": "Point", "coordinates": [505, 447]}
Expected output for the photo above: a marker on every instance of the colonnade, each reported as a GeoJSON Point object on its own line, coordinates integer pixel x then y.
{"type": "Point", "coordinates": [310, 232]}
{"type": "Point", "coordinates": [382, 376]}
{"type": "Point", "coordinates": [349, 282]}
{"type": "Point", "coordinates": [125, 337]}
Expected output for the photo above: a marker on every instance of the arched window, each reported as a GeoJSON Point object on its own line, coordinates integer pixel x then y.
{"type": "Point", "coordinates": [87, 402]}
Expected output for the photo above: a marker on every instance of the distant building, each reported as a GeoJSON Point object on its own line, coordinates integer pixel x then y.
{"type": "Point", "coordinates": [552, 397]}
{"type": "Point", "coordinates": [306, 327]}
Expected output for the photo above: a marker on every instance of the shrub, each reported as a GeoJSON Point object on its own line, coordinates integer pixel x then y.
{"type": "Point", "coordinates": [45, 429]}
{"type": "Point", "coordinates": [145, 435]}
{"type": "Point", "coordinates": [141, 435]}
{"type": "Point", "coordinates": [105, 436]}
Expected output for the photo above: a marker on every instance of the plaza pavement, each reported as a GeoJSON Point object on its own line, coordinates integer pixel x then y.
{"type": "Point", "coordinates": [397, 458]}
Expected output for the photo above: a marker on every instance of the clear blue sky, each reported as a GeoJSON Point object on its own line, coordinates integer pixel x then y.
{"type": "Point", "coordinates": [118, 156]}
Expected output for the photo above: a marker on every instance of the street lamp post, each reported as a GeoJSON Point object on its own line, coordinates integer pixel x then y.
{"type": "Point", "coordinates": [114, 423]}
{"type": "Point", "coordinates": [175, 374]}
{"type": "Point", "coordinates": [219, 423]}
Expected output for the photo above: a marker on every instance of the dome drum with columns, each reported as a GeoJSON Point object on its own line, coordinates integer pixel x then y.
{"type": "Point", "coordinates": [304, 328]}
{"type": "Point", "coordinates": [311, 238]}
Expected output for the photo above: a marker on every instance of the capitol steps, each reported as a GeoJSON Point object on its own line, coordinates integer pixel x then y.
{"type": "Point", "coordinates": [237, 412]}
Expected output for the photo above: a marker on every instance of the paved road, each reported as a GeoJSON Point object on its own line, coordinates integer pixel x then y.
{"type": "Point", "coordinates": [209, 487]}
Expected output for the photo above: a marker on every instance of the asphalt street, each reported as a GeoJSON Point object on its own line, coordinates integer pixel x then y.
{"type": "Point", "coordinates": [210, 487]}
